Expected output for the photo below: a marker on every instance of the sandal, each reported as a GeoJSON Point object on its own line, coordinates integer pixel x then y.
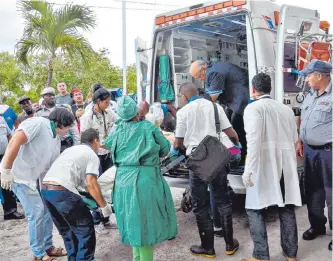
{"type": "Point", "coordinates": [56, 251]}
{"type": "Point", "coordinates": [41, 259]}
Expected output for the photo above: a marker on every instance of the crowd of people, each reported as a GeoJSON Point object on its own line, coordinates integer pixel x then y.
{"type": "Point", "coordinates": [53, 153]}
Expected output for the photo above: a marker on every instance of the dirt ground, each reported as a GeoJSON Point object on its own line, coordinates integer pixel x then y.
{"type": "Point", "coordinates": [14, 240]}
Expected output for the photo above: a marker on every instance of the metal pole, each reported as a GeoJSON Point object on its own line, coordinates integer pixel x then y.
{"type": "Point", "coordinates": [124, 47]}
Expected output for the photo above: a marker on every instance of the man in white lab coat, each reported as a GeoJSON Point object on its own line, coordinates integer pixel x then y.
{"type": "Point", "coordinates": [271, 169]}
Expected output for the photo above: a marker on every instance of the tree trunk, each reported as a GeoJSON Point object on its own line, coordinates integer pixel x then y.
{"type": "Point", "coordinates": [50, 72]}
{"type": "Point", "coordinates": [49, 78]}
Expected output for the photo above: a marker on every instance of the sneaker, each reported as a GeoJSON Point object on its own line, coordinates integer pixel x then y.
{"type": "Point", "coordinates": [100, 229]}
{"type": "Point", "coordinates": [109, 225]}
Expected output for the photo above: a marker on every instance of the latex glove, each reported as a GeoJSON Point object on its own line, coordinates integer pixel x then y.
{"type": "Point", "coordinates": [247, 180]}
{"type": "Point", "coordinates": [236, 157]}
{"type": "Point", "coordinates": [6, 178]}
{"type": "Point", "coordinates": [107, 210]}
{"type": "Point", "coordinates": [238, 146]}
{"type": "Point", "coordinates": [174, 152]}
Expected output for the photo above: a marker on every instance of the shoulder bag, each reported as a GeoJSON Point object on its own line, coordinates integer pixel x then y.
{"type": "Point", "coordinates": [211, 156]}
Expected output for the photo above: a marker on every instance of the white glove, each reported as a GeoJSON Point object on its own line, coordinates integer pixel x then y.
{"type": "Point", "coordinates": [107, 210]}
{"type": "Point", "coordinates": [6, 178]}
{"type": "Point", "coordinates": [247, 180]}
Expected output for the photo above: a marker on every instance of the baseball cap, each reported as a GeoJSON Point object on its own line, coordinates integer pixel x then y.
{"type": "Point", "coordinates": [76, 90]}
{"type": "Point", "coordinates": [23, 98]}
{"type": "Point", "coordinates": [317, 66]}
{"type": "Point", "coordinates": [48, 90]}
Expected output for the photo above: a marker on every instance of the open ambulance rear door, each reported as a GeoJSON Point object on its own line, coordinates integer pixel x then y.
{"type": "Point", "coordinates": [293, 20]}
{"type": "Point", "coordinates": [142, 63]}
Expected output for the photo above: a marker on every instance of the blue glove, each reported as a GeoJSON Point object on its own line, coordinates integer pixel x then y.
{"type": "Point", "coordinates": [238, 146]}
{"type": "Point", "coordinates": [295, 71]}
{"type": "Point", "coordinates": [174, 152]}
{"type": "Point", "coordinates": [236, 157]}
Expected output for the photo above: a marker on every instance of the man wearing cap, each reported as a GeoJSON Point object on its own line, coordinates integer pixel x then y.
{"type": "Point", "coordinates": [226, 83]}
{"type": "Point", "coordinates": [48, 94]}
{"type": "Point", "coordinates": [63, 97]}
{"type": "Point", "coordinates": [27, 110]}
{"type": "Point", "coordinates": [315, 146]}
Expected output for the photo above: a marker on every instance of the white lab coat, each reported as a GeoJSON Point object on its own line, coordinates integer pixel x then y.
{"type": "Point", "coordinates": [271, 135]}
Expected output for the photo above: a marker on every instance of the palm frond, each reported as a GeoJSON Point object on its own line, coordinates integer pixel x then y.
{"type": "Point", "coordinates": [72, 17]}
{"type": "Point", "coordinates": [25, 47]}
{"type": "Point", "coordinates": [32, 8]}
{"type": "Point", "coordinates": [75, 46]}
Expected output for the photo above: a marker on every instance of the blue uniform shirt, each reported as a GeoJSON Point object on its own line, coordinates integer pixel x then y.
{"type": "Point", "coordinates": [231, 81]}
{"type": "Point", "coordinates": [316, 124]}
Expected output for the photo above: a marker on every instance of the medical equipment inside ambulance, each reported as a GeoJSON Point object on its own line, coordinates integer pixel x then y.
{"type": "Point", "coordinates": [258, 36]}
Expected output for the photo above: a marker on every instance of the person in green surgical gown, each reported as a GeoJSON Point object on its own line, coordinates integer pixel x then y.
{"type": "Point", "coordinates": [142, 200]}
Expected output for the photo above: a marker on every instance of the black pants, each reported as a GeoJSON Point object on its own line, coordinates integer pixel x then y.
{"type": "Point", "coordinates": [9, 201]}
{"type": "Point", "coordinates": [318, 184]}
{"type": "Point", "coordinates": [237, 123]}
{"type": "Point", "coordinates": [201, 197]}
{"type": "Point", "coordinates": [288, 227]}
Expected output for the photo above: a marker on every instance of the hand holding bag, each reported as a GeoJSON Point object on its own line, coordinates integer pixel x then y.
{"type": "Point", "coordinates": [211, 156]}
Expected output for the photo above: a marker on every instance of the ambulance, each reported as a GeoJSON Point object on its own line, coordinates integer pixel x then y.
{"type": "Point", "coordinates": [259, 36]}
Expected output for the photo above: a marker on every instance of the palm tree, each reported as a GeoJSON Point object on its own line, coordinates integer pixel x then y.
{"type": "Point", "coordinates": [51, 31]}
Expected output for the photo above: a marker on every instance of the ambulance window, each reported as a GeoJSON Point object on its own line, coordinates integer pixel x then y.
{"type": "Point", "coordinates": [290, 79]}
{"type": "Point", "coordinates": [289, 62]}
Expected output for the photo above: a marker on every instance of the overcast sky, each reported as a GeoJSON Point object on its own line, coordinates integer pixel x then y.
{"type": "Point", "coordinates": [108, 31]}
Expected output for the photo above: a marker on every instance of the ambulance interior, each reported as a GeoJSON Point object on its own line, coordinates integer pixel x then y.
{"type": "Point", "coordinates": [215, 39]}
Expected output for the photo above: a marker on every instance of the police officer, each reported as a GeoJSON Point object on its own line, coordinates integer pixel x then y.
{"type": "Point", "coordinates": [48, 94]}
{"type": "Point", "coordinates": [315, 145]}
{"type": "Point", "coordinates": [27, 109]}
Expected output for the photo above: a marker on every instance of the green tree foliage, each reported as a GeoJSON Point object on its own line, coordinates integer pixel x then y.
{"type": "Point", "coordinates": [17, 80]}
{"type": "Point", "coordinates": [53, 31]}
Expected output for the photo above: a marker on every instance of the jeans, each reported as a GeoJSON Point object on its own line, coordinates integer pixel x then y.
{"type": "Point", "coordinates": [215, 211]}
{"type": "Point", "coordinates": [288, 227]}
{"type": "Point", "coordinates": [318, 185]}
{"type": "Point", "coordinates": [74, 223]}
{"type": "Point", "coordinates": [39, 219]}
{"type": "Point", "coordinates": [201, 199]}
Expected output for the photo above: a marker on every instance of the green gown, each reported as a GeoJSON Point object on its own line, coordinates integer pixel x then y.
{"type": "Point", "coordinates": [142, 200]}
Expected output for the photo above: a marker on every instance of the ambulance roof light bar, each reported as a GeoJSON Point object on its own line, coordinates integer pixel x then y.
{"type": "Point", "coordinates": [200, 10]}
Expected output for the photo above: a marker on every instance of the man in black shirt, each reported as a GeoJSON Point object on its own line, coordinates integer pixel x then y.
{"type": "Point", "coordinates": [79, 105]}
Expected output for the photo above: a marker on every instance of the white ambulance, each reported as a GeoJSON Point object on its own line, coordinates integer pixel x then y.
{"type": "Point", "coordinates": [259, 36]}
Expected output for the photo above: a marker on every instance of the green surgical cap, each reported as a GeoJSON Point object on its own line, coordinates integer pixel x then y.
{"type": "Point", "coordinates": [127, 108]}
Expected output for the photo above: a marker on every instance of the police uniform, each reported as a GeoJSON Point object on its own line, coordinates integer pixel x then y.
{"type": "Point", "coordinates": [316, 134]}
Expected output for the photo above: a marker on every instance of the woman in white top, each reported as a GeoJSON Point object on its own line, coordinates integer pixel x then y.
{"type": "Point", "coordinates": [102, 120]}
